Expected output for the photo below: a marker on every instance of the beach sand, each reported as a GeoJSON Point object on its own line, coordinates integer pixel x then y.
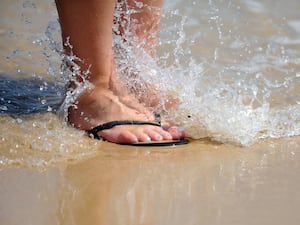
{"type": "Point", "coordinates": [203, 182]}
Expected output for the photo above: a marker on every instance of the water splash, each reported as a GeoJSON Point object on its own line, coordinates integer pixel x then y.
{"type": "Point", "coordinates": [243, 91]}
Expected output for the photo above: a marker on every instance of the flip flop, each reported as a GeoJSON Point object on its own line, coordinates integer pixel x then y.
{"type": "Point", "coordinates": [94, 132]}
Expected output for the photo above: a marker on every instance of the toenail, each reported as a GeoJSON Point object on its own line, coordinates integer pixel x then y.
{"type": "Point", "coordinates": [148, 139]}
{"type": "Point", "coordinates": [135, 140]}
{"type": "Point", "coordinates": [159, 137]}
{"type": "Point", "coordinates": [169, 135]}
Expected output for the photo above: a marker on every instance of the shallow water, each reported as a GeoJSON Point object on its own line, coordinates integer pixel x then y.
{"type": "Point", "coordinates": [236, 68]}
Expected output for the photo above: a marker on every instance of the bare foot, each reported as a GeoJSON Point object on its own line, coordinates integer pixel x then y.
{"type": "Point", "coordinates": [151, 96]}
{"type": "Point", "coordinates": [99, 105]}
{"type": "Point", "coordinates": [147, 93]}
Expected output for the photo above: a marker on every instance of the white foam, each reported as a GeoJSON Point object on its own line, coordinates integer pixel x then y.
{"type": "Point", "coordinates": [295, 24]}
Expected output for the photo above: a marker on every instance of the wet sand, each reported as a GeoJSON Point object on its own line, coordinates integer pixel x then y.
{"type": "Point", "coordinates": [200, 183]}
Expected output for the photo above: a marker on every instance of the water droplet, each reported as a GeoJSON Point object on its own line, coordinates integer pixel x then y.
{"type": "Point", "coordinates": [26, 4]}
{"type": "Point", "coordinates": [3, 107]}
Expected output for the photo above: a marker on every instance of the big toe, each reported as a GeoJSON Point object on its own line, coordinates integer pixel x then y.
{"type": "Point", "coordinates": [119, 136]}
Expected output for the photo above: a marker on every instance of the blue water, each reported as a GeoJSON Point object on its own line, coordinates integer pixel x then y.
{"type": "Point", "coordinates": [22, 96]}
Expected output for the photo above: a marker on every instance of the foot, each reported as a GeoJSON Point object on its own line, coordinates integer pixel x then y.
{"type": "Point", "coordinates": [147, 93]}
{"type": "Point", "coordinates": [151, 96]}
{"type": "Point", "coordinates": [99, 105]}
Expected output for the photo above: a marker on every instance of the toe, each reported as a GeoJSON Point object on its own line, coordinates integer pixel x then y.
{"type": "Point", "coordinates": [176, 133]}
{"type": "Point", "coordinates": [158, 134]}
{"type": "Point", "coordinates": [143, 137]}
{"type": "Point", "coordinates": [125, 134]}
{"type": "Point", "coordinates": [127, 137]}
{"type": "Point", "coordinates": [155, 136]}
{"type": "Point", "coordinates": [119, 136]}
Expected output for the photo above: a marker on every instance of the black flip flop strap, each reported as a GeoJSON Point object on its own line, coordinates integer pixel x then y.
{"type": "Point", "coordinates": [109, 125]}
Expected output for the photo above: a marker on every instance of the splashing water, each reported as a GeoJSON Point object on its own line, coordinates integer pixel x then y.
{"type": "Point", "coordinates": [236, 77]}
{"type": "Point", "coordinates": [235, 67]}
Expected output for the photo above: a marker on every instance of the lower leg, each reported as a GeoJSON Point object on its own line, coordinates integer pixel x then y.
{"type": "Point", "coordinates": [88, 24]}
{"type": "Point", "coordinates": [142, 21]}
{"type": "Point", "coordinates": [138, 24]}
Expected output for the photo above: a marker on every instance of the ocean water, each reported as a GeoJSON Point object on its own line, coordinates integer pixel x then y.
{"type": "Point", "coordinates": [234, 65]}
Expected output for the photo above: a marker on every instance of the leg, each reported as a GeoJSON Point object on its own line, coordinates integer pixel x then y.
{"type": "Point", "coordinates": [89, 26]}
{"type": "Point", "coordinates": [144, 22]}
